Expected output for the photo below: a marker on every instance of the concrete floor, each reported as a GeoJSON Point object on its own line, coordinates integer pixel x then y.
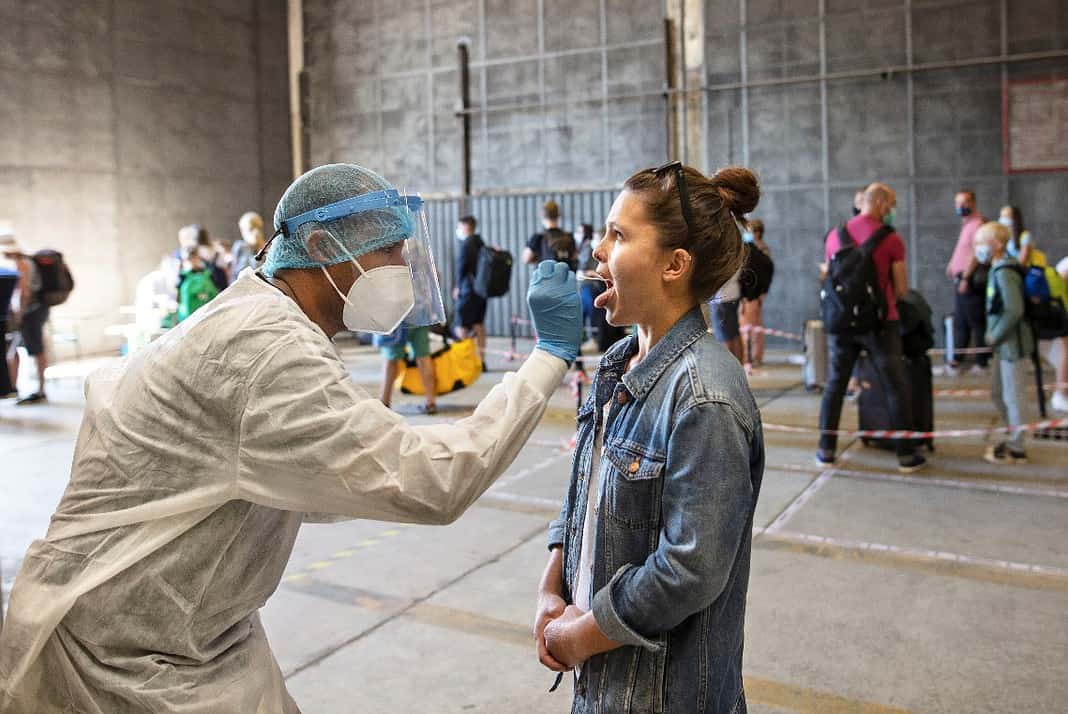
{"type": "Point", "coordinates": [946, 591]}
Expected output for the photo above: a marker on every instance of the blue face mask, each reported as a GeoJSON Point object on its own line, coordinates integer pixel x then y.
{"type": "Point", "coordinates": [888, 219]}
{"type": "Point", "coordinates": [963, 211]}
{"type": "Point", "coordinates": [983, 254]}
{"type": "Point", "coordinates": [747, 236]}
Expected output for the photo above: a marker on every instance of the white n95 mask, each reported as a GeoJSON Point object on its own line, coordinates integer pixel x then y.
{"type": "Point", "coordinates": [378, 300]}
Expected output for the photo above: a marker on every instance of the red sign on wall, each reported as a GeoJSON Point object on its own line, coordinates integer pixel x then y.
{"type": "Point", "coordinates": [1035, 125]}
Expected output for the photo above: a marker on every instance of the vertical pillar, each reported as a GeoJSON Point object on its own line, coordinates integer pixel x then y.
{"type": "Point", "coordinates": [687, 17]}
{"type": "Point", "coordinates": [298, 85]}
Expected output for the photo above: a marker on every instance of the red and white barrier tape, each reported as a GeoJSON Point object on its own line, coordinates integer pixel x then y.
{"type": "Point", "coordinates": [1048, 424]}
{"type": "Point", "coordinates": [898, 434]}
{"type": "Point", "coordinates": [774, 333]}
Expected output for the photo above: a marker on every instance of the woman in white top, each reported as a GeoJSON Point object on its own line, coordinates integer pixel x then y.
{"type": "Point", "coordinates": [1020, 245]}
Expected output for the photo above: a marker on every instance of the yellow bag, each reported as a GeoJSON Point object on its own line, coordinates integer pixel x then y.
{"type": "Point", "coordinates": [456, 365]}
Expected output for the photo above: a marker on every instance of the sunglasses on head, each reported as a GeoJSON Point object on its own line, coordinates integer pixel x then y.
{"type": "Point", "coordinates": [684, 192]}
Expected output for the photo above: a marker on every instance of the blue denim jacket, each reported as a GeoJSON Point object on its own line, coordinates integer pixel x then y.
{"type": "Point", "coordinates": [680, 470]}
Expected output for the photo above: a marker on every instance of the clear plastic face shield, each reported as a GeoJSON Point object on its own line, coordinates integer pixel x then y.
{"type": "Point", "coordinates": [385, 221]}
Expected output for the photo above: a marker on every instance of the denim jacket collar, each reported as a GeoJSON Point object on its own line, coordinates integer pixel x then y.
{"type": "Point", "coordinates": [682, 334]}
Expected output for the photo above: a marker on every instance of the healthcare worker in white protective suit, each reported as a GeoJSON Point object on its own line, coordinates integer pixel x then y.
{"type": "Point", "coordinates": [199, 458]}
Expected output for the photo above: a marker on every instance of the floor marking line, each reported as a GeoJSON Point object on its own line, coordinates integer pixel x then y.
{"type": "Point", "coordinates": [529, 470]}
{"type": "Point", "coordinates": [1036, 576]}
{"type": "Point", "coordinates": [320, 656]}
{"type": "Point", "coordinates": [531, 505]}
{"type": "Point", "coordinates": [801, 699]}
{"type": "Point", "coordinates": [963, 479]}
{"type": "Point", "coordinates": [924, 481]}
{"type": "Point", "coordinates": [472, 624]}
{"type": "Point", "coordinates": [807, 493]}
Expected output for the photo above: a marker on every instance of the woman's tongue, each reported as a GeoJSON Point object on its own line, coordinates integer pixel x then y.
{"type": "Point", "coordinates": [602, 299]}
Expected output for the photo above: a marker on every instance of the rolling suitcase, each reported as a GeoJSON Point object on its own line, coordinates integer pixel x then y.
{"type": "Point", "coordinates": [814, 371]}
{"type": "Point", "coordinates": [873, 413]}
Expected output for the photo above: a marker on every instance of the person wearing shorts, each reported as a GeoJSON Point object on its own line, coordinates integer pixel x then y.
{"type": "Point", "coordinates": [470, 307]}
{"type": "Point", "coordinates": [394, 351]}
{"type": "Point", "coordinates": [725, 326]}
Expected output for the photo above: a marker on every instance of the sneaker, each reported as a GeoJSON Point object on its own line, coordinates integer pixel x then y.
{"type": "Point", "coordinates": [1059, 402]}
{"type": "Point", "coordinates": [1004, 454]}
{"type": "Point", "coordinates": [912, 464]}
{"type": "Point", "coordinates": [978, 370]}
{"type": "Point", "coordinates": [34, 398]}
{"type": "Point", "coordinates": [825, 458]}
{"type": "Point", "coordinates": [429, 409]}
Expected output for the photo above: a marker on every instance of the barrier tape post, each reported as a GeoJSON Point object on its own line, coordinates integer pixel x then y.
{"type": "Point", "coordinates": [511, 329]}
{"type": "Point", "coordinates": [578, 392]}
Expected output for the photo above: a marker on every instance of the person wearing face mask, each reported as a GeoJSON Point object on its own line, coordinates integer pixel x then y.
{"type": "Point", "coordinates": [469, 311]}
{"type": "Point", "coordinates": [200, 457]}
{"type": "Point", "coordinates": [751, 311]}
{"type": "Point", "coordinates": [1020, 244]}
{"type": "Point", "coordinates": [969, 276]}
{"type": "Point", "coordinates": [1010, 335]}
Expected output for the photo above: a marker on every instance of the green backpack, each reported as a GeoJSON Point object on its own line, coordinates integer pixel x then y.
{"type": "Point", "coordinates": [196, 289]}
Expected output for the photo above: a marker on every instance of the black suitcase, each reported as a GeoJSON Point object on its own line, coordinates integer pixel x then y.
{"type": "Point", "coordinates": [872, 406]}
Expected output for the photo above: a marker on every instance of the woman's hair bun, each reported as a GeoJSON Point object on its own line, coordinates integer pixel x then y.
{"type": "Point", "coordinates": [739, 189]}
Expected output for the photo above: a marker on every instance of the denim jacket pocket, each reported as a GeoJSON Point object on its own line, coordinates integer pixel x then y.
{"type": "Point", "coordinates": [634, 484]}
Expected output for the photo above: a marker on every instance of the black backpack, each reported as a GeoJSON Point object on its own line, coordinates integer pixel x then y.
{"type": "Point", "coordinates": [559, 245]}
{"type": "Point", "coordinates": [851, 301]}
{"type": "Point", "coordinates": [493, 277]}
{"type": "Point", "coordinates": [757, 273]}
{"type": "Point", "coordinates": [56, 280]}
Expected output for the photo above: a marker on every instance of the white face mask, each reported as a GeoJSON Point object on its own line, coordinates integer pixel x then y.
{"type": "Point", "coordinates": [378, 300]}
{"type": "Point", "coordinates": [1006, 221]}
{"type": "Point", "coordinates": [460, 235]}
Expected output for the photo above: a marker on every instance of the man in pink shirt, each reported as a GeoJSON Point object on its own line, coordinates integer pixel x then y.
{"type": "Point", "coordinates": [969, 309]}
{"type": "Point", "coordinates": [883, 345]}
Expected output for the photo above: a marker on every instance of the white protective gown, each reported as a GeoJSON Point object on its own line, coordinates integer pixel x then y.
{"type": "Point", "coordinates": [196, 462]}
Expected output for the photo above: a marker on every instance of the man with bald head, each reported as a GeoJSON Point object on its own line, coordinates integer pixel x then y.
{"type": "Point", "coordinates": [878, 208]}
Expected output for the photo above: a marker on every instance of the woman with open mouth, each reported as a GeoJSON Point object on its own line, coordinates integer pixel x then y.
{"type": "Point", "coordinates": [644, 593]}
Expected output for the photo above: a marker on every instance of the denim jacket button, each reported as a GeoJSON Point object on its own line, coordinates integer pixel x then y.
{"type": "Point", "coordinates": [634, 466]}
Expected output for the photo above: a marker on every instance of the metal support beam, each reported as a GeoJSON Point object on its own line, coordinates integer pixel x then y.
{"type": "Point", "coordinates": [465, 122]}
{"type": "Point", "coordinates": [671, 120]}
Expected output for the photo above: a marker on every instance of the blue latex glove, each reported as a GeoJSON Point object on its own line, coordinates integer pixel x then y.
{"type": "Point", "coordinates": [556, 310]}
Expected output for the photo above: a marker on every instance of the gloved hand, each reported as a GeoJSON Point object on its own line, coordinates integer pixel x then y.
{"type": "Point", "coordinates": [556, 310]}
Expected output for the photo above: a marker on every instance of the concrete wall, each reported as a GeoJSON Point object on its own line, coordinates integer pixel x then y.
{"type": "Point", "coordinates": [926, 133]}
{"type": "Point", "coordinates": [552, 76]}
{"type": "Point", "coordinates": [123, 120]}
{"type": "Point", "coordinates": [383, 90]}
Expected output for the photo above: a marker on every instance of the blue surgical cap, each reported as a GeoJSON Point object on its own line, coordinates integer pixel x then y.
{"type": "Point", "coordinates": [357, 234]}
